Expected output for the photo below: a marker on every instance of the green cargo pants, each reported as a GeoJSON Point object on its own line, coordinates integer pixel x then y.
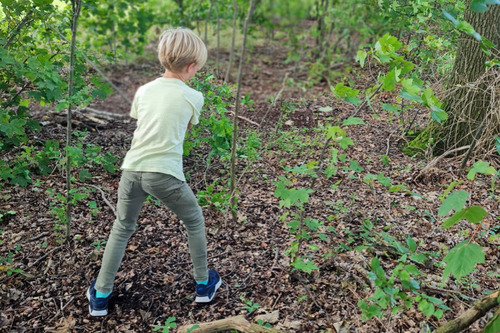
{"type": "Point", "coordinates": [176, 195]}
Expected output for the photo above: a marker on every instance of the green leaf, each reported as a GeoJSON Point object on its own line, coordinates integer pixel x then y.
{"type": "Point", "coordinates": [426, 307]}
{"type": "Point", "coordinates": [386, 181]}
{"type": "Point", "coordinates": [346, 93]}
{"type": "Point", "coordinates": [497, 144]}
{"type": "Point", "coordinates": [461, 260]}
{"type": "Point", "coordinates": [493, 325]}
{"type": "Point", "coordinates": [390, 79]}
{"type": "Point", "coordinates": [473, 214]}
{"type": "Point", "coordinates": [455, 201]}
{"type": "Point", "coordinates": [439, 116]}
{"type": "Point", "coordinates": [361, 56]}
{"type": "Point", "coordinates": [482, 167]}
{"type": "Point", "coordinates": [419, 258]}
{"type": "Point", "coordinates": [353, 121]}
{"type": "Point", "coordinates": [409, 87]}
{"type": "Point", "coordinates": [412, 245]}
{"type": "Point", "coordinates": [305, 266]}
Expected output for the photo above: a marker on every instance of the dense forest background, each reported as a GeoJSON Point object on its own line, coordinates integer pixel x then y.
{"type": "Point", "coordinates": [347, 162]}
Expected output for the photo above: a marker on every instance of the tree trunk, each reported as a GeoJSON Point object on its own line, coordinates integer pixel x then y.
{"type": "Point", "coordinates": [473, 116]}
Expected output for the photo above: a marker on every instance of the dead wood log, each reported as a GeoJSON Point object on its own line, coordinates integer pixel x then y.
{"type": "Point", "coordinates": [238, 323]}
{"type": "Point", "coordinates": [478, 309]}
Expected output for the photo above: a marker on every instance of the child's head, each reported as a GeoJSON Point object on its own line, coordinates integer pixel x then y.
{"type": "Point", "coordinates": [179, 48]}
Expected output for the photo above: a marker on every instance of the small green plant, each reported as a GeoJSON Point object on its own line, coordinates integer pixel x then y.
{"type": "Point", "coordinates": [5, 215]}
{"type": "Point", "coordinates": [169, 324]}
{"type": "Point", "coordinates": [249, 305]}
{"type": "Point", "coordinates": [152, 200]}
{"type": "Point", "coordinates": [261, 323]}
{"type": "Point", "coordinates": [6, 267]}
{"type": "Point", "coordinates": [98, 244]}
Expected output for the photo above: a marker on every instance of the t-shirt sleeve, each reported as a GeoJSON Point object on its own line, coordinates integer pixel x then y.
{"type": "Point", "coordinates": [196, 100]}
{"type": "Point", "coordinates": [134, 107]}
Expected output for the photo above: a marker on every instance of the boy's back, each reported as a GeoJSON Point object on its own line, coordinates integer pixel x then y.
{"type": "Point", "coordinates": [163, 109]}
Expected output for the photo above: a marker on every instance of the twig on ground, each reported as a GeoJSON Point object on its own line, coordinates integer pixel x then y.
{"type": "Point", "coordinates": [439, 158]}
{"type": "Point", "coordinates": [246, 119]}
{"type": "Point", "coordinates": [103, 195]}
{"type": "Point", "coordinates": [45, 256]}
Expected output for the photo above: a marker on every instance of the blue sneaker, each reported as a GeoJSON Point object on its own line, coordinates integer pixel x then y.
{"type": "Point", "coordinates": [97, 306]}
{"type": "Point", "coordinates": [206, 293]}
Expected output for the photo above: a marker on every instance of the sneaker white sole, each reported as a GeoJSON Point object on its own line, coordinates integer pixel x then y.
{"type": "Point", "coordinates": [95, 313]}
{"type": "Point", "coordinates": [206, 299]}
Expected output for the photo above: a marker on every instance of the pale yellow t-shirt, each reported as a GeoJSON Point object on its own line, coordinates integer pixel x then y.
{"type": "Point", "coordinates": [163, 109]}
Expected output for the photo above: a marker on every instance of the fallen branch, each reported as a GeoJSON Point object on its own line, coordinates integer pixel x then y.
{"type": "Point", "coordinates": [439, 158]}
{"type": "Point", "coordinates": [103, 195]}
{"type": "Point", "coordinates": [478, 310]}
{"type": "Point", "coordinates": [45, 256]}
{"type": "Point", "coordinates": [245, 119]}
{"type": "Point", "coordinates": [238, 323]}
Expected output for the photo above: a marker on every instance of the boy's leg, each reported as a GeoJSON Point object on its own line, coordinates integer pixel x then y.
{"type": "Point", "coordinates": [179, 197]}
{"type": "Point", "coordinates": [131, 196]}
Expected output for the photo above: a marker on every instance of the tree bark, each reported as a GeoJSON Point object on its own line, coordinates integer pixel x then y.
{"type": "Point", "coordinates": [238, 323]}
{"type": "Point", "coordinates": [478, 309]}
{"type": "Point", "coordinates": [470, 99]}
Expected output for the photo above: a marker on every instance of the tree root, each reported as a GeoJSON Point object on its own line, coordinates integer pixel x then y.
{"type": "Point", "coordinates": [478, 309]}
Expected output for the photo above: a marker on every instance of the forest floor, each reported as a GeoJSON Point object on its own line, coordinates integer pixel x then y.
{"type": "Point", "coordinates": [155, 280]}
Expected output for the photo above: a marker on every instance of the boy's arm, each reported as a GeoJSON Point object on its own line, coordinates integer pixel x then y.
{"type": "Point", "coordinates": [189, 127]}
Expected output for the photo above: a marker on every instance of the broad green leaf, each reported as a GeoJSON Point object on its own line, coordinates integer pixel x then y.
{"type": "Point", "coordinates": [409, 87]}
{"type": "Point", "coordinates": [482, 167]}
{"type": "Point", "coordinates": [475, 214]}
{"type": "Point", "coordinates": [438, 314]}
{"type": "Point", "coordinates": [411, 97]}
{"type": "Point", "coordinates": [455, 201]}
{"type": "Point", "coordinates": [461, 260]}
{"type": "Point", "coordinates": [353, 121]}
{"type": "Point", "coordinates": [439, 116]}
{"type": "Point", "coordinates": [412, 245]}
{"type": "Point", "coordinates": [305, 266]}
{"type": "Point", "coordinates": [346, 93]}
{"type": "Point", "coordinates": [497, 144]}
{"type": "Point", "coordinates": [386, 181]}
{"type": "Point", "coordinates": [419, 258]}
{"type": "Point", "coordinates": [426, 307]}
{"type": "Point", "coordinates": [345, 142]}
{"type": "Point", "coordinates": [390, 79]}
{"type": "Point", "coordinates": [454, 219]}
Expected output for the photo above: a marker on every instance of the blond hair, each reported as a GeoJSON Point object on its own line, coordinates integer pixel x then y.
{"type": "Point", "coordinates": [179, 48]}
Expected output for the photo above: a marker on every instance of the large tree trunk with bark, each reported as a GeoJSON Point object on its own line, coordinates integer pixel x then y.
{"type": "Point", "coordinates": [473, 110]}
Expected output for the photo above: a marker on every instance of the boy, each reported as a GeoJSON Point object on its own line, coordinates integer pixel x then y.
{"type": "Point", "coordinates": [165, 109]}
